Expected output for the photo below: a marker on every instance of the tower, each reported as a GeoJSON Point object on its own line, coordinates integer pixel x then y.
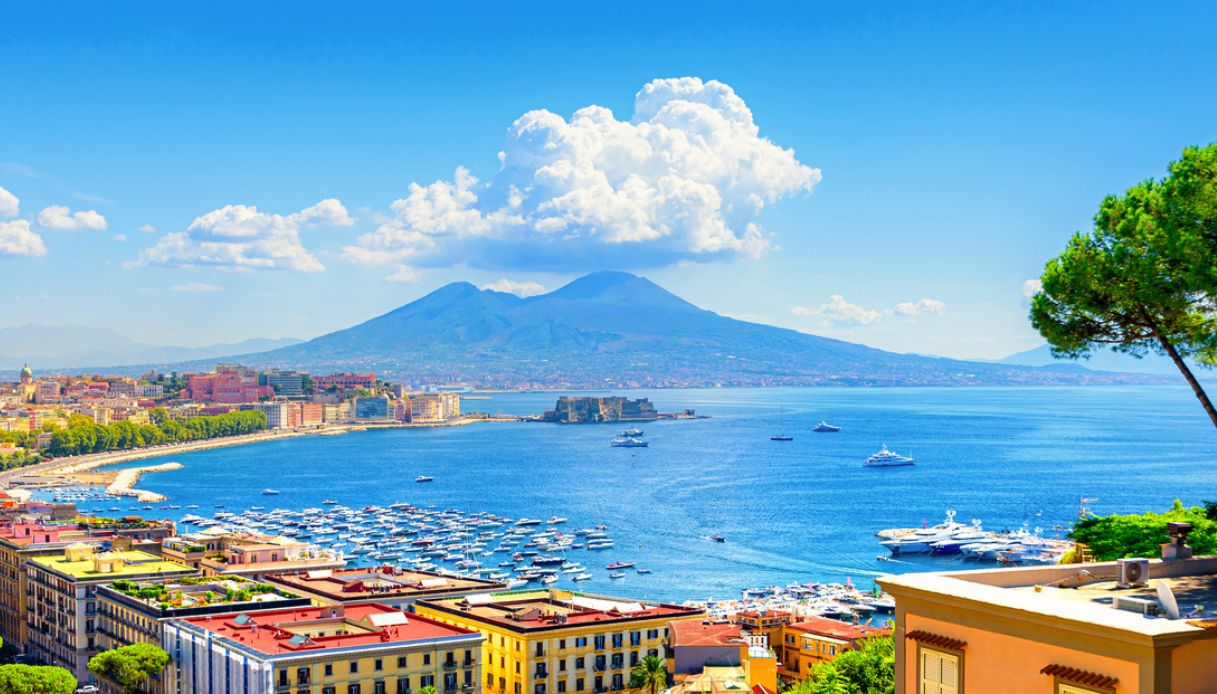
{"type": "Point", "coordinates": [27, 376]}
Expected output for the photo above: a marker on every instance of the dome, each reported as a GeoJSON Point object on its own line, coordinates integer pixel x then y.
{"type": "Point", "coordinates": [25, 370]}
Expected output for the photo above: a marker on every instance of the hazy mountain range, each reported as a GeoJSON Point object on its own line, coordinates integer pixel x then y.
{"type": "Point", "coordinates": [611, 329]}
{"type": "Point", "coordinates": [603, 330]}
{"type": "Point", "coordinates": [1105, 360]}
{"type": "Point", "coordinates": [59, 346]}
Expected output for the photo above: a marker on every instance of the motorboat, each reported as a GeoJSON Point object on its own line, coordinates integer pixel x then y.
{"type": "Point", "coordinates": [270, 492]}
{"type": "Point", "coordinates": [628, 442]}
{"type": "Point", "coordinates": [619, 565]}
{"type": "Point", "coordinates": [888, 458]}
{"type": "Point", "coordinates": [781, 437]}
{"type": "Point", "coordinates": [825, 428]}
{"type": "Point", "coordinates": [424, 478]}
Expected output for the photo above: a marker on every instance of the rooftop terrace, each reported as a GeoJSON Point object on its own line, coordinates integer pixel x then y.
{"type": "Point", "coordinates": [110, 565]}
{"type": "Point", "coordinates": [380, 584]}
{"type": "Point", "coordinates": [1084, 593]}
{"type": "Point", "coordinates": [191, 593]}
{"type": "Point", "coordinates": [529, 610]}
{"type": "Point", "coordinates": [311, 629]}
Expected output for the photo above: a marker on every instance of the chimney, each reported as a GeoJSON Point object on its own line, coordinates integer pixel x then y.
{"type": "Point", "coordinates": [1176, 547]}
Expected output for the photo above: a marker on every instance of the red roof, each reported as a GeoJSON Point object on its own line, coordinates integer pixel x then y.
{"type": "Point", "coordinates": [823, 626]}
{"type": "Point", "coordinates": [690, 632]}
{"type": "Point", "coordinates": [271, 631]}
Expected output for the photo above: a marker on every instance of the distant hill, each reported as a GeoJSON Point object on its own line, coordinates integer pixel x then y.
{"type": "Point", "coordinates": [1105, 360]}
{"type": "Point", "coordinates": [62, 346]}
{"type": "Point", "coordinates": [614, 329]}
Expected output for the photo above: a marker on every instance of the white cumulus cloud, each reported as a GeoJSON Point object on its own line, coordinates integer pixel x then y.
{"type": "Point", "coordinates": [16, 238]}
{"type": "Point", "coordinates": [146, 229]}
{"type": "Point", "coordinates": [837, 311]}
{"type": "Point", "coordinates": [9, 204]}
{"type": "Point", "coordinates": [915, 308]}
{"type": "Point", "coordinates": [239, 237]}
{"type": "Point", "coordinates": [62, 218]}
{"type": "Point", "coordinates": [518, 288]}
{"type": "Point", "coordinates": [196, 288]}
{"type": "Point", "coordinates": [684, 179]}
{"type": "Point", "coordinates": [1031, 287]}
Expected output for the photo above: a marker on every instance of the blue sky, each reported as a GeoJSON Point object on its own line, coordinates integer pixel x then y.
{"type": "Point", "coordinates": [941, 154]}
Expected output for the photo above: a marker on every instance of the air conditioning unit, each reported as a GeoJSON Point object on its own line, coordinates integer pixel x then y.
{"type": "Point", "coordinates": [1132, 573]}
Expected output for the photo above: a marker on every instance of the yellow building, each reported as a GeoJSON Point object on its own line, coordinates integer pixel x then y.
{"type": "Point", "coordinates": [364, 648]}
{"type": "Point", "coordinates": [1134, 627]}
{"type": "Point", "coordinates": [554, 642]}
{"type": "Point", "coordinates": [815, 640]}
{"type": "Point", "coordinates": [61, 606]}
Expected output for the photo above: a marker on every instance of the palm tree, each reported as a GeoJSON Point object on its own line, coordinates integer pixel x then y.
{"type": "Point", "coordinates": [651, 674]}
{"type": "Point", "coordinates": [427, 690]}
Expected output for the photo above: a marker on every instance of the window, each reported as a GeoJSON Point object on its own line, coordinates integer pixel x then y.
{"type": "Point", "coordinates": [426, 659]}
{"type": "Point", "coordinates": [302, 675]}
{"type": "Point", "coordinates": [580, 663]}
{"type": "Point", "coordinates": [354, 666]}
{"type": "Point", "coordinates": [353, 689]}
{"type": "Point", "coordinates": [283, 678]}
{"type": "Point", "coordinates": [403, 685]}
{"type": "Point", "coordinates": [378, 687]}
{"type": "Point", "coordinates": [578, 684]}
{"type": "Point", "coordinates": [562, 665]}
{"type": "Point", "coordinates": [561, 644]}
{"type": "Point", "coordinates": [635, 638]}
{"type": "Point", "coordinates": [938, 672]}
{"type": "Point", "coordinates": [580, 641]}
{"type": "Point", "coordinates": [617, 640]}
{"type": "Point", "coordinates": [561, 686]}
{"type": "Point", "coordinates": [378, 664]}
{"type": "Point", "coordinates": [329, 669]}
{"type": "Point", "coordinates": [1062, 688]}
{"type": "Point", "coordinates": [600, 643]}
{"type": "Point", "coordinates": [401, 661]}
{"type": "Point", "coordinates": [489, 679]}
{"type": "Point", "coordinates": [327, 690]}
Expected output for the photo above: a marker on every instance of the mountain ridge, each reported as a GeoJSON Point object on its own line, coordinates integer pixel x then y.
{"type": "Point", "coordinates": [618, 329]}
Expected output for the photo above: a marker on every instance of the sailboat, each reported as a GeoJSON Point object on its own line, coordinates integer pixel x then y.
{"type": "Point", "coordinates": [782, 437]}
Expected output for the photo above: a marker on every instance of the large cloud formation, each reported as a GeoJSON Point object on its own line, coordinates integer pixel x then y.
{"type": "Point", "coordinates": [684, 179]}
{"type": "Point", "coordinates": [239, 237]}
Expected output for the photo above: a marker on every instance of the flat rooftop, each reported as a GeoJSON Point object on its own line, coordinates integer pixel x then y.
{"type": "Point", "coordinates": [312, 629]}
{"type": "Point", "coordinates": [189, 593]}
{"type": "Point", "coordinates": [692, 632]}
{"type": "Point", "coordinates": [1084, 593]}
{"type": "Point", "coordinates": [530, 610]}
{"type": "Point", "coordinates": [380, 584]}
{"type": "Point", "coordinates": [134, 563]}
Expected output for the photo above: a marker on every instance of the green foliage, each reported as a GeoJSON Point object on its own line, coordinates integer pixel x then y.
{"type": "Point", "coordinates": [427, 690]}
{"type": "Point", "coordinates": [83, 435]}
{"type": "Point", "coordinates": [130, 666]}
{"type": "Point", "coordinates": [869, 669]}
{"type": "Point", "coordinates": [650, 674]}
{"type": "Point", "coordinates": [1113, 537]}
{"type": "Point", "coordinates": [35, 679]}
{"type": "Point", "coordinates": [1143, 279]}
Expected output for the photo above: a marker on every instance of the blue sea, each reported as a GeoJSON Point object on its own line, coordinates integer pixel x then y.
{"type": "Point", "coordinates": [804, 510]}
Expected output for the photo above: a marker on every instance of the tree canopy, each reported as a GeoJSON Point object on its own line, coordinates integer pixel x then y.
{"type": "Point", "coordinates": [868, 669]}
{"type": "Point", "coordinates": [129, 666]}
{"type": "Point", "coordinates": [650, 674]}
{"type": "Point", "coordinates": [35, 679]}
{"type": "Point", "coordinates": [83, 435]}
{"type": "Point", "coordinates": [1144, 279]}
{"type": "Point", "coordinates": [1113, 537]}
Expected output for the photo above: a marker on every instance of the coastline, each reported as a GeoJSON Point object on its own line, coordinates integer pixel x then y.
{"type": "Point", "coordinates": [81, 469]}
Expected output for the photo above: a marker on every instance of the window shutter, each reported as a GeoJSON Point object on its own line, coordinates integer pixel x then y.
{"type": "Point", "coordinates": [939, 672]}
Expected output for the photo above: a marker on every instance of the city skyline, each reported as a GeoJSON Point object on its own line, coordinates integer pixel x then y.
{"type": "Point", "coordinates": [258, 179]}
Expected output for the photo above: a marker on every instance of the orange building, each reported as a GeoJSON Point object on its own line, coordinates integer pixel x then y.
{"type": "Point", "coordinates": [1063, 629]}
{"type": "Point", "coordinates": [813, 640]}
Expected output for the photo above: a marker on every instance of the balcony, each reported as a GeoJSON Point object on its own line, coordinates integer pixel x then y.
{"type": "Point", "coordinates": [468, 662]}
{"type": "Point", "coordinates": [449, 664]}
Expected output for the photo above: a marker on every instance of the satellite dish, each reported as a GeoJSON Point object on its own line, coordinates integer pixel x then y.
{"type": "Point", "coordinates": [1166, 596]}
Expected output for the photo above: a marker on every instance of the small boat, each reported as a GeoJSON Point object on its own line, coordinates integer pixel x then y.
{"type": "Point", "coordinates": [581, 577]}
{"type": "Point", "coordinates": [619, 565]}
{"type": "Point", "coordinates": [424, 478]}
{"type": "Point", "coordinates": [628, 442]}
{"type": "Point", "coordinates": [825, 428]}
{"type": "Point", "coordinates": [643, 571]}
{"type": "Point", "coordinates": [781, 437]}
{"type": "Point", "coordinates": [886, 458]}
{"type": "Point", "coordinates": [632, 432]}
{"type": "Point", "coordinates": [270, 492]}
{"type": "Point", "coordinates": [718, 538]}
{"type": "Point", "coordinates": [616, 575]}
{"type": "Point", "coordinates": [549, 579]}
{"type": "Point", "coordinates": [554, 520]}
{"type": "Point", "coordinates": [328, 502]}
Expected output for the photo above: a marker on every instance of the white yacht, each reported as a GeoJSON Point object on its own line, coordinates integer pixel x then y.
{"type": "Point", "coordinates": [886, 458]}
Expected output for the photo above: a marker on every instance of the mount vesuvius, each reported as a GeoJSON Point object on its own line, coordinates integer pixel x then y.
{"type": "Point", "coordinates": [614, 329]}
